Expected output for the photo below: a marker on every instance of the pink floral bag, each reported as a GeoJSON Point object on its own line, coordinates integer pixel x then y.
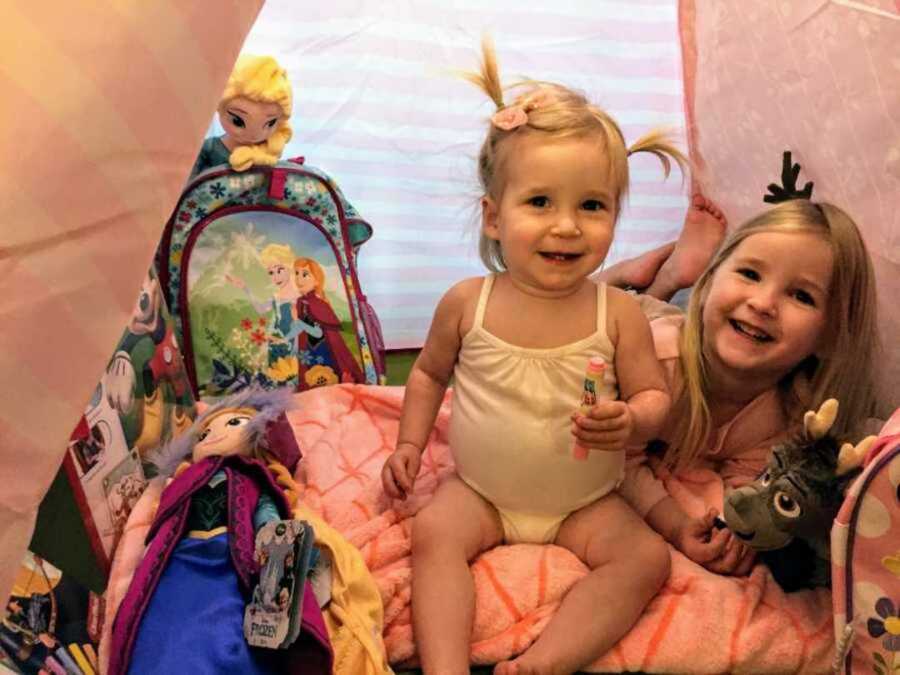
{"type": "Point", "coordinates": [865, 546]}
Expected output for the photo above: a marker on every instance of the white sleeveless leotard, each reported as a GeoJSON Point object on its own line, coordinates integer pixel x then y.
{"type": "Point", "coordinates": [510, 426]}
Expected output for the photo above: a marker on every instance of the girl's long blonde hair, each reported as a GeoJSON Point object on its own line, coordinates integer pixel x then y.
{"type": "Point", "coordinates": [562, 112]}
{"type": "Point", "coordinates": [842, 369]}
{"type": "Point", "coordinates": [261, 79]}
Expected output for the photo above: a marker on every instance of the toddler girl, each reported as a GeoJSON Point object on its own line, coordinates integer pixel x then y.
{"type": "Point", "coordinates": [554, 171]}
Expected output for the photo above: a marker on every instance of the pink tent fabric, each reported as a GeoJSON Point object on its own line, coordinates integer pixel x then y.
{"type": "Point", "coordinates": [106, 107]}
{"type": "Point", "coordinates": [818, 77]}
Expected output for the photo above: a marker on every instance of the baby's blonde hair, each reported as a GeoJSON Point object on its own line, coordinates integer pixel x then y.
{"type": "Point", "coordinates": [563, 113]}
{"type": "Point", "coordinates": [261, 79]}
{"type": "Point", "coordinates": [849, 344]}
{"type": "Point", "coordinates": [274, 254]}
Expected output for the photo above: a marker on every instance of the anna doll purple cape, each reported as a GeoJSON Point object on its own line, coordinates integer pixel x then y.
{"type": "Point", "coordinates": [246, 478]}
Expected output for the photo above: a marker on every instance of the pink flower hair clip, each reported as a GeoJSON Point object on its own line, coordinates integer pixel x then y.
{"type": "Point", "coordinates": [509, 118]}
{"type": "Point", "coordinates": [514, 116]}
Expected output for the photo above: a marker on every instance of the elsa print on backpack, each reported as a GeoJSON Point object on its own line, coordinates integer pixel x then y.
{"type": "Point", "coordinates": [302, 333]}
{"type": "Point", "coordinates": [278, 306]}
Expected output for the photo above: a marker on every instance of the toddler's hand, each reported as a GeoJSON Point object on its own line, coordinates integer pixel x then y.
{"type": "Point", "coordinates": [697, 539]}
{"type": "Point", "coordinates": [607, 426]}
{"type": "Point", "coordinates": [400, 470]}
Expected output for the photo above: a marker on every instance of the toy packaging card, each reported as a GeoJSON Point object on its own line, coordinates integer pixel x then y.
{"type": "Point", "coordinates": [284, 550]}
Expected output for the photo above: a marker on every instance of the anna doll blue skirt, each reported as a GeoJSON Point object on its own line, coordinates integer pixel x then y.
{"type": "Point", "coordinates": [194, 622]}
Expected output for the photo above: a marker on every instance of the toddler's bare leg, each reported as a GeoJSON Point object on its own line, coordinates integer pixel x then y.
{"type": "Point", "coordinates": [629, 564]}
{"type": "Point", "coordinates": [455, 526]}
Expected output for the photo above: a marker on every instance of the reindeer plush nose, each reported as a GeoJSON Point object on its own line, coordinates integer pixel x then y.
{"type": "Point", "coordinates": [741, 500]}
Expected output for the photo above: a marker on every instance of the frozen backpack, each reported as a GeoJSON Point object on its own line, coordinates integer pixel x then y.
{"type": "Point", "coordinates": [865, 545]}
{"type": "Point", "coordinates": [259, 270]}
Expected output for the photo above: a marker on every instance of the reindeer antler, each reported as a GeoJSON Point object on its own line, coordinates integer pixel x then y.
{"type": "Point", "coordinates": [817, 424]}
{"type": "Point", "coordinates": [852, 456]}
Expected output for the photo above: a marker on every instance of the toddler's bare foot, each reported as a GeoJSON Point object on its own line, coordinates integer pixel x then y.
{"type": "Point", "coordinates": [704, 228]}
{"type": "Point", "coordinates": [522, 666]}
{"type": "Point", "coordinates": [637, 272]}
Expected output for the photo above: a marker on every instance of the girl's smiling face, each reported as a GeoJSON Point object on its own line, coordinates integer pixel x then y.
{"type": "Point", "coordinates": [766, 308]}
{"type": "Point", "coordinates": [555, 216]}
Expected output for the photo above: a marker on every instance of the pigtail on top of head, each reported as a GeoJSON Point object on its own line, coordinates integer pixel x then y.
{"type": "Point", "coordinates": [488, 76]}
{"type": "Point", "coordinates": [658, 143]}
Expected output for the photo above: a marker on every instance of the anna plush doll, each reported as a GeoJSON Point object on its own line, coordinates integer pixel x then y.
{"type": "Point", "coordinates": [184, 609]}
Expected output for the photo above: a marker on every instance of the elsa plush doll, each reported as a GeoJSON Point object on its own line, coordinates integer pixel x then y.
{"type": "Point", "coordinates": [255, 112]}
{"type": "Point", "coordinates": [184, 609]}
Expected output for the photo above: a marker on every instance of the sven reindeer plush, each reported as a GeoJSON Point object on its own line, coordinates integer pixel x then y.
{"type": "Point", "coordinates": [786, 514]}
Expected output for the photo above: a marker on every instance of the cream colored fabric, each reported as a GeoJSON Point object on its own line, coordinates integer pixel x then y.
{"type": "Point", "coordinates": [510, 426]}
{"type": "Point", "coordinates": [106, 104]}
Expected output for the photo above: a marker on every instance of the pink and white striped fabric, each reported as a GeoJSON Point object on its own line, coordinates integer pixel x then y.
{"type": "Point", "coordinates": [105, 109]}
{"type": "Point", "coordinates": [377, 105]}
